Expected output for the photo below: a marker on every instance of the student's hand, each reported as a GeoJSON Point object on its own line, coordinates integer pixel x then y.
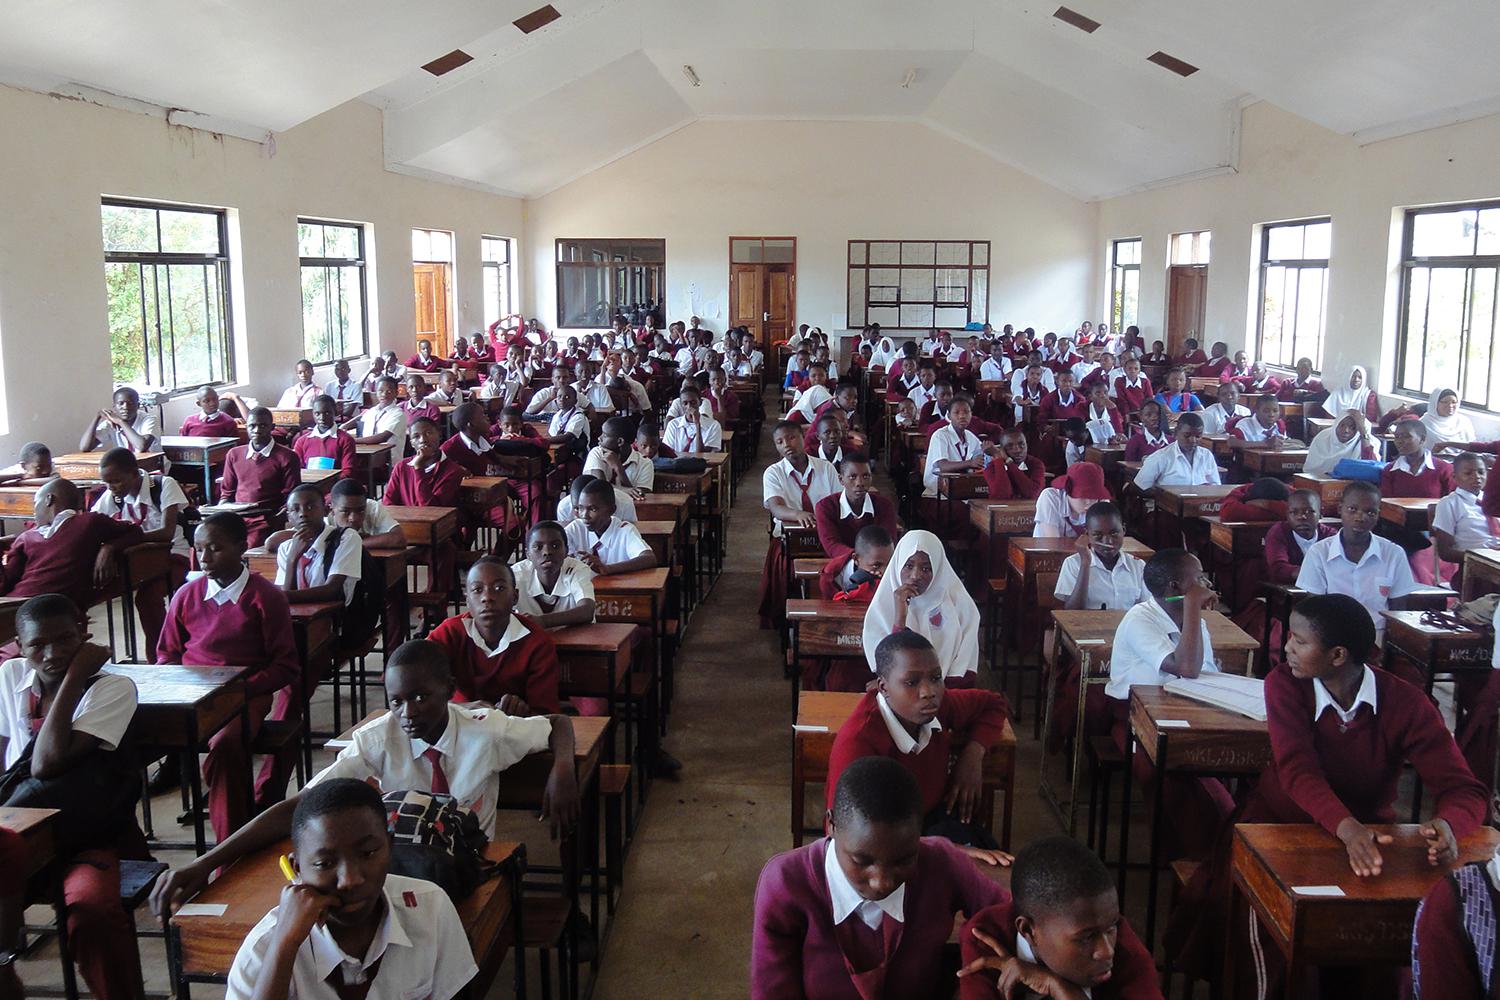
{"type": "Point", "coordinates": [560, 801]}
{"type": "Point", "coordinates": [590, 560]}
{"type": "Point", "coordinates": [302, 908]}
{"type": "Point", "coordinates": [1202, 597]}
{"type": "Point", "coordinates": [512, 704]}
{"type": "Point", "coordinates": [804, 520]}
{"type": "Point", "coordinates": [105, 569]}
{"type": "Point", "coordinates": [176, 886]}
{"type": "Point", "coordinates": [983, 855]}
{"type": "Point", "coordinates": [1362, 845]}
{"type": "Point", "coordinates": [1442, 846]}
{"type": "Point", "coordinates": [904, 595]}
{"type": "Point", "coordinates": [1000, 958]}
{"type": "Point", "coordinates": [966, 784]}
{"type": "Point", "coordinates": [1017, 977]}
{"type": "Point", "coordinates": [1083, 545]}
{"type": "Point", "coordinates": [637, 493]}
{"type": "Point", "coordinates": [90, 657]}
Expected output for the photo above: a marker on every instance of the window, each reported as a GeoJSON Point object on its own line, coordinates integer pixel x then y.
{"type": "Point", "coordinates": [1124, 282]}
{"type": "Point", "coordinates": [598, 279]}
{"type": "Point", "coordinates": [333, 290]}
{"type": "Point", "coordinates": [918, 285]}
{"type": "Point", "coordinates": [166, 275]}
{"type": "Point", "coordinates": [1450, 264]}
{"type": "Point", "coordinates": [1189, 248]}
{"type": "Point", "coordinates": [495, 258]}
{"type": "Point", "coordinates": [1293, 291]}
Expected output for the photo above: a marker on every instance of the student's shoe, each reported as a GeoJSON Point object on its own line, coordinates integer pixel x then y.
{"type": "Point", "coordinates": [168, 775]}
{"type": "Point", "coordinates": [588, 945]}
{"type": "Point", "coordinates": [667, 766]}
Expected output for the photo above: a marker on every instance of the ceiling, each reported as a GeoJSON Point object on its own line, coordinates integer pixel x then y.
{"type": "Point", "coordinates": [1085, 112]}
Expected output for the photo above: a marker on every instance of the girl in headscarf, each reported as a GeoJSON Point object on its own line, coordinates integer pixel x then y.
{"type": "Point", "coordinates": [921, 592]}
{"type": "Point", "coordinates": [1443, 420]}
{"type": "Point", "coordinates": [1349, 438]}
{"type": "Point", "coordinates": [884, 354]}
{"type": "Point", "coordinates": [1354, 394]}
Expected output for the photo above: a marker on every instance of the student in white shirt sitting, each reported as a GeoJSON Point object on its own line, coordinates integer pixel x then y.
{"type": "Point", "coordinates": [503, 382]}
{"type": "Point", "coordinates": [299, 395]}
{"type": "Point", "coordinates": [1101, 576]}
{"type": "Point", "coordinates": [351, 507]}
{"type": "Point", "coordinates": [567, 504]}
{"type": "Point", "coordinates": [749, 352]}
{"type": "Point", "coordinates": [1458, 525]}
{"type": "Point", "coordinates": [603, 542]}
{"type": "Point", "coordinates": [548, 398]}
{"type": "Point", "coordinates": [615, 462]}
{"type": "Point", "coordinates": [344, 391]}
{"type": "Point", "coordinates": [953, 447]}
{"type": "Point", "coordinates": [592, 391]}
{"type": "Point", "coordinates": [447, 392]}
{"type": "Point", "coordinates": [1216, 418]}
{"type": "Point", "coordinates": [383, 423]}
{"type": "Point", "coordinates": [996, 367]}
{"type": "Point", "coordinates": [1263, 425]}
{"type": "Point", "coordinates": [926, 389]}
{"type": "Point", "coordinates": [569, 425]}
{"type": "Point", "coordinates": [1183, 462]}
{"type": "Point", "coordinates": [315, 561]}
{"type": "Point", "coordinates": [553, 588]}
{"type": "Point", "coordinates": [1090, 364]}
{"type": "Point", "coordinates": [693, 433]}
{"type": "Point", "coordinates": [1061, 509]}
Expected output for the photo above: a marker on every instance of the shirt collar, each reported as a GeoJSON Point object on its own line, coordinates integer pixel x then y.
{"type": "Point", "coordinates": [1322, 699]}
{"type": "Point", "coordinates": [230, 594]}
{"type": "Point", "coordinates": [477, 447]}
{"type": "Point", "coordinates": [1025, 953]}
{"type": "Point", "coordinates": [1336, 550]}
{"type": "Point", "coordinates": [514, 631]}
{"type": "Point", "coordinates": [446, 742]}
{"type": "Point", "coordinates": [847, 510]}
{"type": "Point", "coordinates": [904, 741]}
{"type": "Point", "coordinates": [251, 451]}
{"type": "Point", "coordinates": [328, 956]}
{"type": "Point", "coordinates": [1405, 466]}
{"type": "Point", "coordinates": [330, 432]}
{"type": "Point", "coordinates": [846, 899]}
{"type": "Point", "coordinates": [58, 520]}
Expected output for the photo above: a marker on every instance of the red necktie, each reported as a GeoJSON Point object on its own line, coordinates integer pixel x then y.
{"type": "Point", "coordinates": [434, 756]}
{"type": "Point", "coordinates": [805, 486]}
{"type": "Point", "coordinates": [304, 569]}
{"type": "Point", "coordinates": [34, 712]}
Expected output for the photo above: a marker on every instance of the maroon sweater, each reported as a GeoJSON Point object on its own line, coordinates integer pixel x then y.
{"type": "Point", "coordinates": [1436, 482]}
{"type": "Point", "coordinates": [1444, 966]}
{"type": "Point", "coordinates": [836, 534]}
{"type": "Point", "coordinates": [1053, 408]}
{"type": "Point", "coordinates": [219, 425]}
{"type": "Point", "coordinates": [1321, 774]}
{"type": "Point", "coordinates": [63, 563]}
{"type": "Point", "coordinates": [474, 463]}
{"type": "Point", "coordinates": [528, 668]}
{"type": "Point", "coordinates": [437, 486]}
{"type": "Point", "coordinates": [340, 448]}
{"type": "Point", "coordinates": [965, 714]}
{"type": "Point", "coordinates": [1132, 977]}
{"type": "Point", "coordinates": [255, 631]}
{"type": "Point", "coordinates": [1016, 481]}
{"type": "Point", "coordinates": [261, 480]}
{"type": "Point", "coordinates": [1284, 555]}
{"type": "Point", "coordinates": [796, 952]}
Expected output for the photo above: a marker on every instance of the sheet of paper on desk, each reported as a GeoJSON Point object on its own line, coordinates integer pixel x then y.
{"type": "Point", "coordinates": [202, 909]}
{"type": "Point", "coordinates": [1173, 724]}
{"type": "Point", "coordinates": [1317, 890]}
{"type": "Point", "coordinates": [1245, 695]}
{"type": "Point", "coordinates": [228, 507]}
{"type": "Point", "coordinates": [1091, 642]}
{"type": "Point", "coordinates": [808, 729]}
{"type": "Point", "coordinates": [338, 744]}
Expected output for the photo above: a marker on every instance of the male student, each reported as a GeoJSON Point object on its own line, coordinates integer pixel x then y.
{"type": "Point", "coordinates": [470, 446]}
{"type": "Point", "coordinates": [1182, 463]}
{"type": "Point", "coordinates": [693, 432]}
{"type": "Point", "coordinates": [125, 426]}
{"type": "Point", "coordinates": [324, 445]}
{"type": "Point", "coordinates": [383, 423]}
{"type": "Point", "coordinates": [154, 505]}
{"type": "Point", "coordinates": [209, 421]}
{"type": "Point", "coordinates": [600, 540]}
{"type": "Point", "coordinates": [613, 460]}
{"type": "Point", "coordinates": [1458, 525]}
{"type": "Point", "coordinates": [498, 657]}
{"type": "Point", "coordinates": [552, 588]}
{"type": "Point", "coordinates": [1100, 575]}
{"type": "Point", "coordinates": [261, 473]}
{"type": "Point", "coordinates": [1063, 402]}
{"type": "Point", "coordinates": [841, 516]}
{"type": "Point", "coordinates": [854, 576]}
{"type": "Point", "coordinates": [315, 561]}
{"type": "Point", "coordinates": [1216, 418]}
{"type": "Point", "coordinates": [346, 393]}
{"type": "Point", "coordinates": [1012, 474]}
{"type": "Point", "coordinates": [790, 490]}
{"type": "Point", "coordinates": [69, 552]}
{"type": "Point", "coordinates": [299, 395]}
{"type": "Point", "coordinates": [424, 360]}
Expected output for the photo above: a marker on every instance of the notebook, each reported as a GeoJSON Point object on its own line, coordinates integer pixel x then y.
{"type": "Point", "coordinates": [1244, 695]}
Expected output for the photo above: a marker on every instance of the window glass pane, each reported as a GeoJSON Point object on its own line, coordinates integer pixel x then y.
{"type": "Point", "coordinates": [916, 317]}
{"type": "Point", "coordinates": [1443, 234]}
{"type": "Point", "coordinates": [885, 253]}
{"type": "Point", "coordinates": [857, 252]}
{"type": "Point", "coordinates": [129, 229]}
{"type": "Point", "coordinates": [1178, 251]}
{"type": "Point", "coordinates": [132, 311]}
{"type": "Point", "coordinates": [979, 294]}
{"type": "Point", "coordinates": [492, 311]}
{"type": "Point", "coordinates": [953, 253]}
{"type": "Point", "coordinates": [1489, 231]}
{"type": "Point", "coordinates": [494, 248]}
{"type": "Point", "coordinates": [1129, 251]}
{"type": "Point", "coordinates": [1283, 242]}
{"type": "Point", "coordinates": [780, 251]}
{"type": "Point", "coordinates": [918, 253]}
{"type": "Point", "coordinates": [981, 255]}
{"type": "Point", "coordinates": [954, 318]}
{"type": "Point", "coordinates": [1129, 309]}
{"type": "Point", "coordinates": [1279, 289]}
{"type": "Point", "coordinates": [189, 323]}
{"type": "Point", "coordinates": [1415, 334]}
{"type": "Point", "coordinates": [857, 296]}
{"type": "Point", "coordinates": [309, 240]}
{"type": "Point", "coordinates": [744, 251]}
{"type": "Point", "coordinates": [885, 316]}
{"type": "Point", "coordinates": [189, 232]}
{"type": "Point", "coordinates": [1445, 319]}
{"type": "Point", "coordinates": [952, 286]}
{"type": "Point", "coordinates": [1318, 240]}
{"type": "Point", "coordinates": [916, 284]}
{"type": "Point", "coordinates": [1480, 346]}
{"type": "Point", "coordinates": [341, 241]}
{"type": "Point", "coordinates": [421, 245]}
{"type": "Point", "coordinates": [885, 284]}
{"type": "Point", "coordinates": [1307, 338]}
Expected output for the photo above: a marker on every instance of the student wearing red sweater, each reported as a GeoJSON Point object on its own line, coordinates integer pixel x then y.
{"type": "Point", "coordinates": [262, 473]}
{"type": "Point", "coordinates": [324, 445]}
{"type": "Point", "coordinates": [1012, 474]}
{"type": "Point", "coordinates": [70, 551]}
{"type": "Point", "coordinates": [1192, 355]}
{"type": "Point", "coordinates": [230, 616]}
{"type": "Point", "coordinates": [855, 575]}
{"type": "Point", "coordinates": [1060, 936]}
{"type": "Point", "coordinates": [209, 421]}
{"type": "Point", "coordinates": [1063, 402]}
{"type": "Point", "coordinates": [1218, 362]}
{"type": "Point", "coordinates": [1151, 435]}
{"type": "Point", "coordinates": [868, 910]}
{"type": "Point", "coordinates": [912, 718]}
{"type": "Point", "coordinates": [1287, 543]}
{"type": "Point", "coordinates": [1416, 472]}
{"type": "Point", "coordinates": [1132, 389]}
{"type": "Point", "coordinates": [1302, 385]}
{"type": "Point", "coordinates": [424, 360]}
{"type": "Point", "coordinates": [499, 657]}
{"type": "Point", "coordinates": [1454, 941]}
{"type": "Point", "coordinates": [841, 515]}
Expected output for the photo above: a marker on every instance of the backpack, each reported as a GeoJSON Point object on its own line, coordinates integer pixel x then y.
{"type": "Point", "coordinates": [1476, 911]}
{"type": "Point", "coordinates": [362, 613]}
{"type": "Point", "coordinates": [686, 465]}
{"type": "Point", "coordinates": [435, 838]}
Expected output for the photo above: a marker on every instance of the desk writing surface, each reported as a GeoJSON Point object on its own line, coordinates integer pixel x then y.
{"type": "Point", "coordinates": [1187, 501]}
{"type": "Point", "coordinates": [323, 479]}
{"type": "Point", "coordinates": [599, 637]}
{"type": "Point", "coordinates": [644, 581]}
{"type": "Point", "coordinates": [422, 525]}
{"type": "Point", "coordinates": [1409, 512]}
{"type": "Point", "coordinates": [1095, 630]}
{"type": "Point", "coordinates": [190, 450]}
{"type": "Point", "coordinates": [820, 715]}
{"type": "Point", "coordinates": [35, 828]}
{"type": "Point", "coordinates": [1481, 572]}
{"type": "Point", "coordinates": [1030, 556]}
{"type": "Point", "coordinates": [1214, 739]}
{"type": "Point", "coordinates": [84, 465]}
{"type": "Point", "coordinates": [176, 684]}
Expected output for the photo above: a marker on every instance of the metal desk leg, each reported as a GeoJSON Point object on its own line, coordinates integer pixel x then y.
{"type": "Point", "coordinates": [1157, 808]}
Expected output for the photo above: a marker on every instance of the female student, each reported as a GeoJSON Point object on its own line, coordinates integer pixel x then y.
{"type": "Point", "coordinates": [791, 490]}
{"type": "Point", "coordinates": [1353, 394]}
{"type": "Point", "coordinates": [1100, 575]}
{"type": "Point", "coordinates": [417, 404]}
{"type": "Point", "coordinates": [1349, 438]}
{"type": "Point", "coordinates": [315, 561]}
{"type": "Point", "coordinates": [1131, 388]}
{"type": "Point", "coordinates": [1105, 424]}
{"type": "Point", "coordinates": [1175, 397]}
{"type": "Point", "coordinates": [1259, 381]}
{"type": "Point", "coordinates": [867, 911]}
{"type": "Point", "coordinates": [1192, 355]}
{"type": "Point", "coordinates": [498, 657]}
{"type": "Point", "coordinates": [1216, 418]}
{"type": "Point", "coordinates": [154, 505]}
{"type": "Point", "coordinates": [1415, 472]}
{"type": "Point", "coordinates": [1151, 435]}
{"type": "Point", "coordinates": [1158, 354]}
{"type": "Point", "coordinates": [921, 592]}
{"type": "Point", "coordinates": [953, 447]}
{"type": "Point", "coordinates": [1444, 423]}
{"type": "Point", "coordinates": [1062, 507]}
{"type": "Point", "coordinates": [1011, 472]}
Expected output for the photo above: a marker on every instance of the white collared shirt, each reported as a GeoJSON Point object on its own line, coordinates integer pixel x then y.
{"type": "Point", "coordinates": [620, 541]}
{"type": "Point", "coordinates": [922, 395]}
{"type": "Point", "coordinates": [1251, 429]}
{"type": "Point", "coordinates": [991, 371]}
{"type": "Point", "coordinates": [846, 899]}
{"type": "Point", "coordinates": [684, 439]}
{"type": "Point", "coordinates": [225, 595]}
{"type": "Point", "coordinates": [140, 509]}
{"type": "Point", "coordinates": [639, 472]}
{"type": "Point", "coordinates": [103, 711]}
{"type": "Point", "coordinates": [781, 481]}
{"type": "Point", "coordinates": [575, 584]}
{"type": "Point", "coordinates": [478, 447]}
{"type": "Point", "coordinates": [1018, 380]}
{"type": "Point", "coordinates": [904, 741]}
{"type": "Point", "coordinates": [624, 507]}
{"type": "Point", "coordinates": [1381, 573]}
{"type": "Point", "coordinates": [298, 397]}
{"type": "Point", "coordinates": [1400, 464]}
{"type": "Point", "coordinates": [572, 422]}
{"type": "Point", "coordinates": [1459, 515]}
{"type": "Point", "coordinates": [1145, 637]}
{"type": "Point", "coordinates": [1054, 517]}
{"type": "Point", "coordinates": [1117, 589]}
{"type": "Point", "coordinates": [515, 631]}
{"type": "Point", "coordinates": [345, 561]}
{"type": "Point", "coordinates": [251, 451]}
{"type": "Point", "coordinates": [1170, 467]}
{"type": "Point", "coordinates": [58, 520]}
{"type": "Point", "coordinates": [1366, 695]}
{"type": "Point", "coordinates": [349, 392]}
{"type": "Point", "coordinates": [422, 948]}
{"type": "Point", "coordinates": [377, 519]}
{"type": "Point", "coordinates": [1215, 419]}
{"type": "Point", "coordinates": [847, 510]}
{"type": "Point", "coordinates": [144, 424]}
{"type": "Point", "coordinates": [381, 419]}
{"type": "Point", "coordinates": [948, 445]}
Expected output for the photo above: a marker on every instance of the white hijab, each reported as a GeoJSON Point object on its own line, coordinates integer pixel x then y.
{"type": "Point", "coordinates": [1327, 450]}
{"type": "Point", "coordinates": [884, 353]}
{"type": "Point", "coordinates": [1342, 399]}
{"type": "Point", "coordinates": [944, 614]}
{"type": "Point", "coordinates": [1454, 428]}
{"type": "Point", "coordinates": [807, 404]}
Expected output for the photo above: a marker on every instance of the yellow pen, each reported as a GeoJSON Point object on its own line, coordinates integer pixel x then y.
{"type": "Point", "coordinates": [286, 868]}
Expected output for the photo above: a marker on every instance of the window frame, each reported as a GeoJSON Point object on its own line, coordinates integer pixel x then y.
{"type": "Point", "coordinates": [223, 265]}
{"type": "Point", "coordinates": [361, 263]}
{"type": "Point", "coordinates": [1468, 263]}
{"type": "Point", "coordinates": [506, 270]}
{"type": "Point", "coordinates": [1117, 317]}
{"type": "Point", "coordinates": [608, 265]}
{"type": "Point", "coordinates": [970, 268]}
{"type": "Point", "coordinates": [1299, 263]}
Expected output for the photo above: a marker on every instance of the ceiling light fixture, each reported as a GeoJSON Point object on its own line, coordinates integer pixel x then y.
{"type": "Point", "coordinates": [1080, 21]}
{"type": "Point", "coordinates": [692, 77]}
{"type": "Point", "coordinates": [539, 18]}
{"type": "Point", "coordinates": [448, 63]}
{"type": "Point", "coordinates": [908, 79]}
{"type": "Point", "coordinates": [1172, 63]}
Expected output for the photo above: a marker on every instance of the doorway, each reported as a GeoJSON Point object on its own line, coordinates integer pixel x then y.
{"type": "Point", "coordinates": [763, 287]}
{"type": "Point", "coordinates": [432, 283]}
{"type": "Point", "coordinates": [1187, 299]}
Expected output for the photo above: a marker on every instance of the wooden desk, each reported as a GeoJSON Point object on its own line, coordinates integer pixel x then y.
{"type": "Point", "coordinates": [323, 479]}
{"type": "Point", "coordinates": [35, 828]}
{"type": "Point", "coordinates": [638, 597]}
{"type": "Point", "coordinates": [1481, 573]}
{"type": "Point", "coordinates": [1329, 490]}
{"type": "Point", "coordinates": [430, 526]}
{"type": "Point", "coordinates": [658, 535]}
{"type": "Point", "coordinates": [84, 465]}
{"type": "Point", "coordinates": [1232, 542]}
{"type": "Point", "coordinates": [292, 419]}
{"type": "Point", "coordinates": [1264, 460]}
{"type": "Point", "coordinates": [996, 521]}
{"type": "Point", "coordinates": [372, 462]}
{"type": "Point", "coordinates": [595, 662]}
{"type": "Point", "coordinates": [18, 501]}
{"type": "Point", "coordinates": [805, 574]}
{"type": "Point", "coordinates": [824, 630]}
{"type": "Point", "coordinates": [662, 507]}
{"type": "Point", "coordinates": [1190, 501]}
{"type": "Point", "coordinates": [1214, 742]}
{"type": "Point", "coordinates": [1368, 923]}
{"type": "Point", "coordinates": [1435, 649]}
{"type": "Point", "coordinates": [1411, 513]}
{"type": "Point", "coordinates": [1105, 456]}
{"type": "Point", "coordinates": [201, 452]}
{"type": "Point", "coordinates": [820, 714]}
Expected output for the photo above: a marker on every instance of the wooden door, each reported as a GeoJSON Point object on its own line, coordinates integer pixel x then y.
{"type": "Point", "coordinates": [780, 299]}
{"type": "Point", "coordinates": [746, 285]}
{"type": "Point", "coordinates": [1187, 300]}
{"type": "Point", "coordinates": [430, 282]}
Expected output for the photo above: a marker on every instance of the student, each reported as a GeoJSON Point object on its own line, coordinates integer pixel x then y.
{"type": "Point", "coordinates": [1356, 561]}
{"type": "Point", "coordinates": [1415, 472]}
{"type": "Point", "coordinates": [33, 465]}
{"type": "Point", "coordinates": [811, 396]}
{"type": "Point", "coordinates": [1086, 368]}
{"type": "Point", "coordinates": [791, 491]}
{"type": "Point", "coordinates": [1149, 436]}
{"type": "Point", "coordinates": [1218, 363]}
{"type": "Point", "coordinates": [568, 503]}
{"type": "Point", "coordinates": [209, 421]}
{"type": "Point", "coordinates": [230, 616]}
{"type": "Point", "coordinates": [868, 910]}
{"type": "Point", "coordinates": [829, 436]}
{"type": "Point", "coordinates": [693, 432]}
{"type": "Point", "coordinates": [315, 561]}
{"type": "Point", "coordinates": [504, 382]}
{"type": "Point", "coordinates": [1063, 402]}
{"type": "Point", "coordinates": [953, 447]}
{"type": "Point", "coordinates": [125, 426]}
{"type": "Point", "coordinates": [1192, 355]}
{"type": "Point", "coordinates": [1158, 355]}
{"type": "Point", "coordinates": [350, 506]}
{"type": "Point", "coordinates": [1012, 474]}
{"type": "Point", "coordinates": [498, 657]}
{"type": "Point", "coordinates": [68, 552]}
{"type": "Point", "coordinates": [926, 388]}
{"type": "Point", "coordinates": [1182, 463]}
{"type": "Point", "coordinates": [796, 370]}
{"type": "Point", "coordinates": [262, 473]}
{"type": "Point", "coordinates": [569, 426]}
{"type": "Point", "coordinates": [1061, 935]}
{"type": "Point", "coordinates": [470, 447]}
{"type": "Point", "coordinates": [1062, 508]}
{"type": "Point", "coordinates": [854, 576]}
{"type": "Point", "coordinates": [68, 717]}
{"type": "Point", "coordinates": [373, 376]}
{"type": "Point", "coordinates": [603, 542]}
{"type": "Point", "coordinates": [997, 367]}
{"type": "Point", "coordinates": [1287, 543]}
{"type": "Point", "coordinates": [592, 392]}
{"type": "Point", "coordinates": [299, 395]}
{"type": "Point", "coordinates": [154, 505]}
{"type": "Point", "coordinates": [648, 442]}
{"type": "Point", "coordinates": [447, 392]}
{"type": "Point", "coordinates": [417, 404]}
{"type": "Point", "coordinates": [346, 393]}
{"type": "Point", "coordinates": [1303, 384]}
{"type": "Point", "coordinates": [1350, 438]}
{"type": "Point", "coordinates": [846, 402]}
{"type": "Point", "coordinates": [424, 360]}
{"type": "Point", "coordinates": [1216, 418]}
{"type": "Point", "coordinates": [481, 351]}
{"type": "Point", "coordinates": [615, 462]}
{"type": "Point", "coordinates": [393, 367]}
{"type": "Point", "coordinates": [1444, 423]}
{"type": "Point", "coordinates": [1100, 575]}
{"type": "Point", "coordinates": [552, 588]}
{"type": "Point", "coordinates": [922, 593]}
{"type": "Point", "coordinates": [1453, 941]}
{"type": "Point", "coordinates": [1263, 425]}
{"type": "Point", "coordinates": [427, 479]}
{"type": "Point", "coordinates": [1458, 524]}
{"type": "Point", "coordinates": [1354, 394]}
{"type": "Point", "coordinates": [549, 398]}
{"type": "Point", "coordinates": [383, 423]}
{"type": "Point", "coordinates": [1102, 419]}
{"type": "Point", "coordinates": [1259, 381]}
{"type": "Point", "coordinates": [910, 717]}
{"type": "Point", "coordinates": [1175, 398]}
{"type": "Point", "coordinates": [324, 445]}
{"type": "Point", "coordinates": [841, 516]}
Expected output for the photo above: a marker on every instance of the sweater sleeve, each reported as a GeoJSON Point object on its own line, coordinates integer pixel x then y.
{"type": "Point", "coordinates": [1458, 796]}
{"type": "Point", "coordinates": [291, 472]}
{"type": "Point", "coordinates": [972, 889]}
{"type": "Point", "coordinates": [282, 665]}
{"type": "Point", "coordinates": [977, 713]}
{"type": "Point", "coordinates": [230, 481]}
{"type": "Point", "coordinates": [173, 638]}
{"type": "Point", "coordinates": [776, 941]}
{"type": "Point", "coordinates": [997, 477]}
{"type": "Point", "coordinates": [1279, 565]}
{"type": "Point", "coordinates": [1289, 720]}
{"type": "Point", "coordinates": [827, 515]}
{"type": "Point", "coordinates": [991, 920]}
{"type": "Point", "coordinates": [849, 745]}
{"type": "Point", "coordinates": [347, 455]}
{"type": "Point", "coordinates": [543, 674]}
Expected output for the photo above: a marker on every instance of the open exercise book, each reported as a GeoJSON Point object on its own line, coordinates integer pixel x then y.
{"type": "Point", "coordinates": [1245, 695]}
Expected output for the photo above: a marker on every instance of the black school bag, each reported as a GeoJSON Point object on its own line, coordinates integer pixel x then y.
{"type": "Point", "coordinates": [362, 614]}
{"type": "Point", "coordinates": [435, 838]}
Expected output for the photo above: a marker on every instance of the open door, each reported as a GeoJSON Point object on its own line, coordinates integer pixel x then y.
{"type": "Point", "coordinates": [430, 283]}
{"type": "Point", "coordinates": [763, 287]}
{"type": "Point", "coordinates": [1187, 301]}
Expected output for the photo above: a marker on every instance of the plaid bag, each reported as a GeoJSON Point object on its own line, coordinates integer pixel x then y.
{"type": "Point", "coordinates": [435, 838]}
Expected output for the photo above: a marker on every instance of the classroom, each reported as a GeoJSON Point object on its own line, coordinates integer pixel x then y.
{"type": "Point", "coordinates": [822, 499]}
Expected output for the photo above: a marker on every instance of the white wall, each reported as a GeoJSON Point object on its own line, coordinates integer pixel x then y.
{"type": "Point", "coordinates": [62, 155]}
{"type": "Point", "coordinates": [1290, 168]}
{"type": "Point", "coordinates": [824, 183]}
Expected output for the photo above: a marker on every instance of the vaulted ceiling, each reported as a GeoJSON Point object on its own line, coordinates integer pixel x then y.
{"type": "Point", "coordinates": [1083, 110]}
